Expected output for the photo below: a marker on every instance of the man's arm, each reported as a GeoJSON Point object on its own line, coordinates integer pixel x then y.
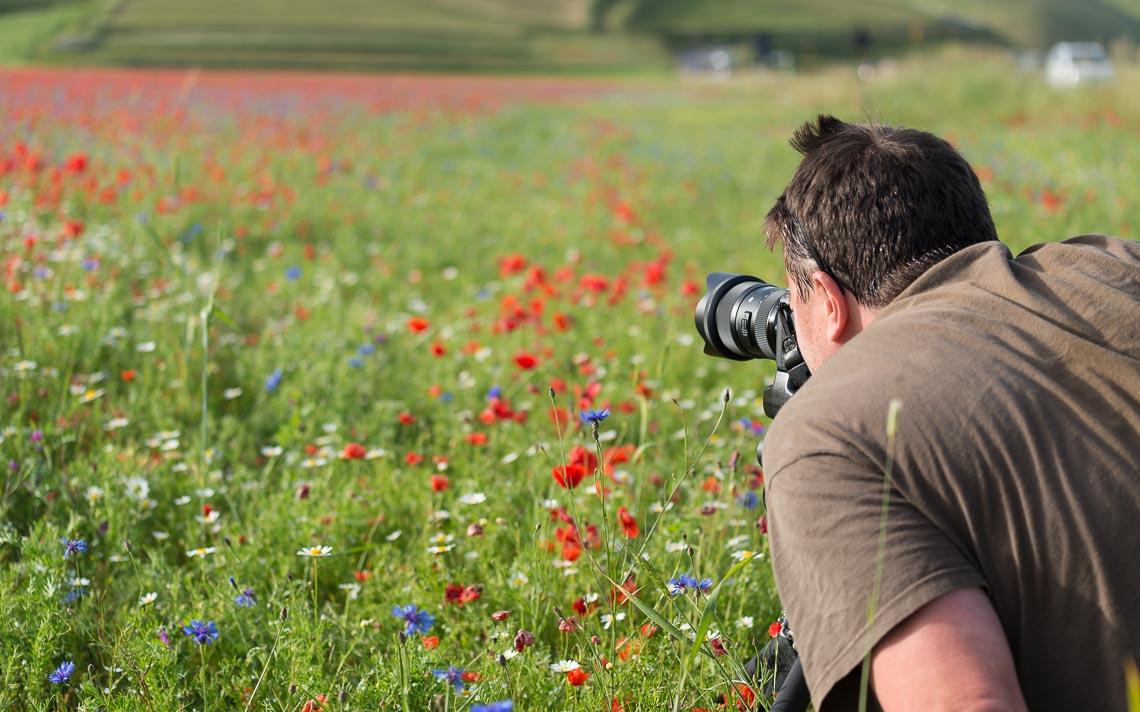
{"type": "Point", "coordinates": [949, 655]}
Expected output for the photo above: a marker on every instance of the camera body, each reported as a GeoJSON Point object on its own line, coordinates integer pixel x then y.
{"type": "Point", "coordinates": [741, 317]}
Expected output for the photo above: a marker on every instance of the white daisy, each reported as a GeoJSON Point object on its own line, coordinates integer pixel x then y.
{"type": "Point", "coordinates": [565, 666]}
{"type": "Point", "coordinates": [315, 551]}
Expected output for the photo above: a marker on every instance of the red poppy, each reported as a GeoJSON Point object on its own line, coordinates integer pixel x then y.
{"type": "Point", "coordinates": [406, 418]}
{"type": "Point", "coordinates": [477, 438]}
{"type": "Point", "coordinates": [625, 213]}
{"type": "Point", "coordinates": [582, 608]}
{"type": "Point", "coordinates": [775, 628]}
{"type": "Point", "coordinates": [560, 417]}
{"type": "Point", "coordinates": [568, 476]}
{"type": "Point", "coordinates": [439, 483]}
{"type": "Point", "coordinates": [413, 458]}
{"type": "Point", "coordinates": [418, 325]}
{"type": "Point", "coordinates": [76, 163]}
{"type": "Point", "coordinates": [431, 642]}
{"type": "Point", "coordinates": [583, 457]}
{"type": "Point", "coordinates": [128, 375]}
{"type": "Point", "coordinates": [362, 576]}
{"type": "Point", "coordinates": [509, 264]}
{"type": "Point", "coordinates": [628, 523]}
{"type": "Point", "coordinates": [72, 228]}
{"type": "Point", "coordinates": [628, 648]}
{"type": "Point", "coordinates": [525, 360]}
{"type": "Point", "coordinates": [621, 594]}
{"type": "Point", "coordinates": [577, 677]}
{"type": "Point", "coordinates": [571, 551]}
{"type": "Point", "coordinates": [314, 704]}
{"type": "Point", "coordinates": [354, 451]}
{"type": "Point", "coordinates": [746, 697]}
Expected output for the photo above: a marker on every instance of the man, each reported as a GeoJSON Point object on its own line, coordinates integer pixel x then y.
{"type": "Point", "coordinates": [954, 494]}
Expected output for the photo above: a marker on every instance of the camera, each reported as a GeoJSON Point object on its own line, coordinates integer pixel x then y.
{"type": "Point", "coordinates": [741, 317]}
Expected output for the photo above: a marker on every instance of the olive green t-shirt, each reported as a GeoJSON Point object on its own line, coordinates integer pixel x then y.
{"type": "Point", "coordinates": [1015, 468]}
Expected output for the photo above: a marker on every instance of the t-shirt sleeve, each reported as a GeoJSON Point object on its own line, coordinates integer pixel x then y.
{"type": "Point", "coordinates": [830, 547]}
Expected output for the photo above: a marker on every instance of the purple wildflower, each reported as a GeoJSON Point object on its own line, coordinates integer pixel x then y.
{"type": "Point", "coordinates": [415, 620]}
{"type": "Point", "coordinates": [72, 546]}
{"type": "Point", "coordinates": [62, 673]}
{"type": "Point", "coordinates": [452, 675]}
{"type": "Point", "coordinates": [680, 582]}
{"type": "Point", "coordinates": [202, 632]}
{"type": "Point", "coordinates": [246, 598]}
{"type": "Point", "coordinates": [595, 416]}
{"type": "Point", "coordinates": [500, 706]}
{"type": "Point", "coordinates": [273, 381]}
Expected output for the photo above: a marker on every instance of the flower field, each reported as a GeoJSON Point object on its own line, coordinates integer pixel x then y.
{"type": "Point", "coordinates": [366, 392]}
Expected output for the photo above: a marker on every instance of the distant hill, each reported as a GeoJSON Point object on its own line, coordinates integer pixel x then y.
{"type": "Point", "coordinates": [522, 35]}
{"type": "Point", "coordinates": [1015, 23]}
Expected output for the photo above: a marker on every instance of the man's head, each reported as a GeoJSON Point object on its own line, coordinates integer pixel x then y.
{"type": "Point", "coordinates": [869, 209]}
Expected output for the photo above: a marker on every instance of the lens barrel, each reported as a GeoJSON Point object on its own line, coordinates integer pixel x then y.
{"type": "Point", "coordinates": [737, 316]}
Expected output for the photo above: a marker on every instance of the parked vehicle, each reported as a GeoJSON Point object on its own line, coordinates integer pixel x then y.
{"type": "Point", "coordinates": [1075, 63]}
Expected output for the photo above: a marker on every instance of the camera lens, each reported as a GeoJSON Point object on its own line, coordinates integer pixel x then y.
{"type": "Point", "coordinates": [737, 316]}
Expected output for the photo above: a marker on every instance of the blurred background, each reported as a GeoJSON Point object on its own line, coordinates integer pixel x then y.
{"type": "Point", "coordinates": [717, 38]}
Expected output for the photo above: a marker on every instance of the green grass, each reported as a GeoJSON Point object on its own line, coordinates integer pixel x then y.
{"type": "Point", "coordinates": [123, 347]}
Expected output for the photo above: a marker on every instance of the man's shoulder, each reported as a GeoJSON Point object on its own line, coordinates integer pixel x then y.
{"type": "Point", "coordinates": [924, 357]}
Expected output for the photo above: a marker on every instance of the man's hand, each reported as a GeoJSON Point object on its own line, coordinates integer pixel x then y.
{"type": "Point", "coordinates": [950, 655]}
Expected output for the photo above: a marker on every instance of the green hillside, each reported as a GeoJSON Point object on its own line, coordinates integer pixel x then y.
{"type": "Point", "coordinates": [522, 35]}
{"type": "Point", "coordinates": [1017, 23]}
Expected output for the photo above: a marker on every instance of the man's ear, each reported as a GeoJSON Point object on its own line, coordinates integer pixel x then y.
{"type": "Point", "coordinates": [834, 305]}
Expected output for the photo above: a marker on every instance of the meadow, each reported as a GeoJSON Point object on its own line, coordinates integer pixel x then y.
{"type": "Point", "coordinates": [363, 392]}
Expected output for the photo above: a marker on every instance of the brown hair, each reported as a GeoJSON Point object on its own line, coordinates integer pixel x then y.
{"type": "Point", "coordinates": [874, 207]}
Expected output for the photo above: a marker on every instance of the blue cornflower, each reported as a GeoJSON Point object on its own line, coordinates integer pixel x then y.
{"type": "Point", "coordinates": [72, 546]}
{"type": "Point", "coordinates": [595, 416]}
{"type": "Point", "coordinates": [356, 362]}
{"type": "Point", "coordinates": [293, 274]}
{"type": "Point", "coordinates": [366, 349]}
{"type": "Point", "coordinates": [246, 599]}
{"type": "Point", "coordinates": [500, 706]}
{"type": "Point", "coordinates": [680, 582]}
{"type": "Point", "coordinates": [452, 675]}
{"type": "Point", "coordinates": [62, 673]}
{"type": "Point", "coordinates": [415, 620]}
{"type": "Point", "coordinates": [749, 500]}
{"type": "Point", "coordinates": [273, 381]}
{"type": "Point", "coordinates": [704, 585]}
{"type": "Point", "coordinates": [495, 392]}
{"type": "Point", "coordinates": [202, 632]}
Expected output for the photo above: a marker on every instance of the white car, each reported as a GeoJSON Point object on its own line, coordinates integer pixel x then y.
{"type": "Point", "coordinates": [1070, 64]}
